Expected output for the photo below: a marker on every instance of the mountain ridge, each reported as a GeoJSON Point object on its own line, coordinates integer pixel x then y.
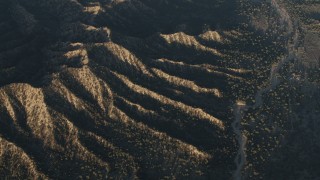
{"type": "Point", "coordinates": [132, 89]}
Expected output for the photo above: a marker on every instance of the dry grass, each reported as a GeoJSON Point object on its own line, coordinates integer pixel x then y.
{"type": "Point", "coordinates": [195, 112]}
{"type": "Point", "coordinates": [183, 39]}
{"type": "Point", "coordinates": [185, 83]}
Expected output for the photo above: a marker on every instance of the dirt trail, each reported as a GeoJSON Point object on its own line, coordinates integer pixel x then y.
{"type": "Point", "coordinates": [240, 107]}
{"type": "Point", "coordinates": [242, 139]}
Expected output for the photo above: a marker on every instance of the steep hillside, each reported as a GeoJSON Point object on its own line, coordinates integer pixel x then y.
{"type": "Point", "coordinates": [135, 89]}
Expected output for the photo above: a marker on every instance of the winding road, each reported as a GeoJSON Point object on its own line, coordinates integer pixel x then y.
{"type": "Point", "coordinates": [242, 139]}
{"type": "Point", "coordinates": [241, 107]}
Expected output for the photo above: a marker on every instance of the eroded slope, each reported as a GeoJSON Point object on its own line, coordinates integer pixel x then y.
{"type": "Point", "coordinates": [126, 89]}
